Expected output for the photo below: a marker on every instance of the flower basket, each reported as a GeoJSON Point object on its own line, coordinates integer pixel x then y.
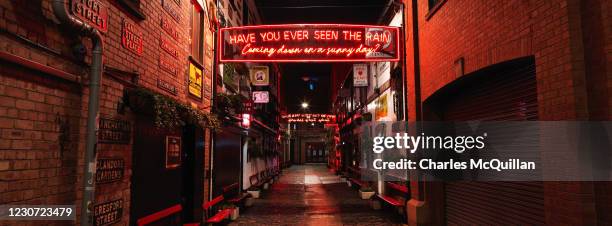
{"type": "Point", "coordinates": [254, 191]}
{"type": "Point", "coordinates": [366, 192]}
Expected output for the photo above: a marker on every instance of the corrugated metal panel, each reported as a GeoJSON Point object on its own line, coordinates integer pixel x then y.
{"type": "Point", "coordinates": [505, 94]}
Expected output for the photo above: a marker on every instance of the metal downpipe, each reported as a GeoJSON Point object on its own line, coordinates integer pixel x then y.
{"type": "Point", "coordinates": [89, 167]}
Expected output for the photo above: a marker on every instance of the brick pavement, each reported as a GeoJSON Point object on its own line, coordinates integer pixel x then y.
{"type": "Point", "coordinates": [311, 195]}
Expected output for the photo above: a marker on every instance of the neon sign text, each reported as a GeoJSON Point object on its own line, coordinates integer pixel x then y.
{"type": "Point", "coordinates": [308, 43]}
{"type": "Point", "coordinates": [324, 118]}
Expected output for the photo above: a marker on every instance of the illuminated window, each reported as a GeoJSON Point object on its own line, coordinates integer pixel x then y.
{"type": "Point", "coordinates": [197, 34]}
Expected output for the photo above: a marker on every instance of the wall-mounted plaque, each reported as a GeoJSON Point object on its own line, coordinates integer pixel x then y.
{"type": "Point", "coordinates": [173, 152]}
{"type": "Point", "coordinates": [169, 28]}
{"type": "Point", "coordinates": [167, 65]}
{"type": "Point", "coordinates": [92, 12]}
{"type": "Point", "coordinates": [168, 47]}
{"type": "Point", "coordinates": [261, 97]}
{"type": "Point", "coordinates": [108, 213]}
{"type": "Point", "coordinates": [114, 131]}
{"type": "Point", "coordinates": [260, 75]}
{"type": "Point", "coordinates": [360, 75]}
{"type": "Point", "coordinates": [171, 10]}
{"type": "Point", "coordinates": [165, 86]}
{"type": "Point", "coordinates": [131, 37]}
{"type": "Point", "coordinates": [109, 170]}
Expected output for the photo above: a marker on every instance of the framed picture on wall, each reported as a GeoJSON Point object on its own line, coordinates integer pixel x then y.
{"type": "Point", "coordinates": [173, 152]}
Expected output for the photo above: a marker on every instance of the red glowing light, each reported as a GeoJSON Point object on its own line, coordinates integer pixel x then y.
{"type": "Point", "coordinates": [309, 43]}
{"type": "Point", "coordinates": [246, 120]}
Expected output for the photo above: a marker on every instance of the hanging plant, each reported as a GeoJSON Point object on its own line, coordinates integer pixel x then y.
{"type": "Point", "coordinates": [232, 73]}
{"type": "Point", "coordinates": [166, 111]}
{"type": "Point", "coordinates": [228, 104]}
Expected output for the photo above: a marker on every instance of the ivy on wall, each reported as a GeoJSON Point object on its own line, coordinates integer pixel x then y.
{"type": "Point", "coordinates": [168, 112]}
{"type": "Point", "coordinates": [228, 104]}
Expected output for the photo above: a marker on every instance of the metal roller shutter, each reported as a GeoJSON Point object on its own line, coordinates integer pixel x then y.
{"type": "Point", "coordinates": [506, 93]}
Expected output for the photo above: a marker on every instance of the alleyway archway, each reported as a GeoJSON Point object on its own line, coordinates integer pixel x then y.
{"type": "Point", "coordinates": [311, 195]}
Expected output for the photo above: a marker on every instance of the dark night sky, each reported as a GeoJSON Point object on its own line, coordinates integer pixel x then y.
{"type": "Point", "coordinates": [315, 11]}
{"type": "Point", "coordinates": [296, 89]}
{"type": "Point", "coordinates": [321, 11]}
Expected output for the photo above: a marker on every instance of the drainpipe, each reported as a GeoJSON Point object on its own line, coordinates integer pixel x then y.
{"type": "Point", "coordinates": [61, 12]}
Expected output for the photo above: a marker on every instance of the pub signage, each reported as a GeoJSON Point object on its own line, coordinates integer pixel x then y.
{"type": "Point", "coordinates": [195, 80]}
{"type": "Point", "coordinates": [165, 86]}
{"type": "Point", "coordinates": [167, 65]}
{"type": "Point", "coordinates": [165, 45]}
{"type": "Point", "coordinates": [324, 118]}
{"type": "Point", "coordinates": [247, 106]}
{"type": "Point", "coordinates": [259, 75]}
{"type": "Point", "coordinates": [170, 9]}
{"type": "Point", "coordinates": [114, 131]}
{"type": "Point", "coordinates": [261, 97]}
{"type": "Point", "coordinates": [131, 37]}
{"type": "Point", "coordinates": [169, 28]}
{"type": "Point", "coordinates": [173, 152]}
{"type": "Point", "coordinates": [109, 170]}
{"type": "Point", "coordinates": [108, 213]}
{"type": "Point", "coordinates": [92, 12]}
{"type": "Point", "coordinates": [360, 75]}
{"type": "Point", "coordinates": [309, 43]}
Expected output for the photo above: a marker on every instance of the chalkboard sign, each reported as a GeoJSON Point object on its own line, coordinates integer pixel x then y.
{"type": "Point", "coordinates": [173, 152]}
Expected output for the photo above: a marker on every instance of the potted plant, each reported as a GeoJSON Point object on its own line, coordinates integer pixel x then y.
{"type": "Point", "coordinates": [254, 191]}
{"type": "Point", "coordinates": [235, 210]}
{"type": "Point", "coordinates": [366, 192]}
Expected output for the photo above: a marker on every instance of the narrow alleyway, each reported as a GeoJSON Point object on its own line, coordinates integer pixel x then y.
{"type": "Point", "coordinates": [311, 195]}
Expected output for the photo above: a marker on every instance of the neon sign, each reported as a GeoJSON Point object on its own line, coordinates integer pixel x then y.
{"type": "Point", "coordinates": [309, 43]}
{"type": "Point", "coordinates": [324, 118]}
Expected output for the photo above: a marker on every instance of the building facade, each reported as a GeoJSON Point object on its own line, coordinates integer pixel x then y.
{"type": "Point", "coordinates": [508, 61]}
{"type": "Point", "coordinates": [157, 59]}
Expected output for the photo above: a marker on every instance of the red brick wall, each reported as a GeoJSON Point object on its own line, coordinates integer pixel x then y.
{"type": "Point", "coordinates": [32, 171]}
{"type": "Point", "coordinates": [484, 33]}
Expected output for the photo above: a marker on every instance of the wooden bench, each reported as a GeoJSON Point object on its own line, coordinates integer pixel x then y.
{"type": "Point", "coordinates": [220, 215]}
{"type": "Point", "coordinates": [235, 196]}
{"type": "Point", "coordinates": [254, 181]}
{"type": "Point", "coordinates": [264, 177]}
{"type": "Point", "coordinates": [394, 190]}
{"type": "Point", "coordinates": [258, 179]}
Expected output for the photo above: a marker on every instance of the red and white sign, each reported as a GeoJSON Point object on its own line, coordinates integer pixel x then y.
{"type": "Point", "coordinates": [247, 107]}
{"type": "Point", "coordinates": [261, 97]}
{"type": "Point", "coordinates": [360, 75]}
{"type": "Point", "coordinates": [131, 37]}
{"type": "Point", "coordinates": [309, 43]}
{"type": "Point", "coordinates": [92, 12]}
